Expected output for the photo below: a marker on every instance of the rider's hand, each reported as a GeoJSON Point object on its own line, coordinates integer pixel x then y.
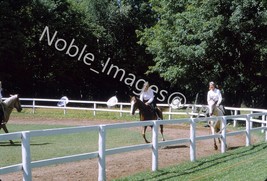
{"type": "Point", "coordinates": [147, 103]}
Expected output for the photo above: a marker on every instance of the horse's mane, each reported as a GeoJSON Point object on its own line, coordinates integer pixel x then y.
{"type": "Point", "coordinates": [140, 102]}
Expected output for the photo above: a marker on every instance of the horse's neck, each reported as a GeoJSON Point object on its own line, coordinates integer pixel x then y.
{"type": "Point", "coordinates": [9, 103]}
{"type": "Point", "coordinates": [141, 105]}
{"type": "Point", "coordinates": [218, 112]}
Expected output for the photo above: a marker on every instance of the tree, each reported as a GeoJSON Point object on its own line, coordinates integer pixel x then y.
{"type": "Point", "coordinates": [194, 42]}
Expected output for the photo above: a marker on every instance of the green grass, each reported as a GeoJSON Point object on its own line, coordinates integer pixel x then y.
{"type": "Point", "coordinates": [233, 165]}
{"type": "Point", "coordinates": [246, 163]}
{"type": "Point", "coordinates": [81, 114]}
{"type": "Point", "coordinates": [62, 145]}
{"type": "Point", "coordinates": [72, 114]}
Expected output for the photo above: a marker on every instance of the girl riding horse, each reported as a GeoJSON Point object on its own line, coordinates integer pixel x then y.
{"type": "Point", "coordinates": [147, 108]}
{"type": "Point", "coordinates": [9, 104]}
{"type": "Point", "coordinates": [214, 99]}
{"type": "Point", "coordinates": [147, 96]}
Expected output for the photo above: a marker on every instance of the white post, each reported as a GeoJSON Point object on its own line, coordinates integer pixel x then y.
{"type": "Point", "coordinates": [251, 122]}
{"type": "Point", "coordinates": [121, 110]}
{"type": "Point", "coordinates": [65, 107]}
{"type": "Point", "coordinates": [101, 152]}
{"type": "Point", "coordinates": [192, 112]}
{"type": "Point", "coordinates": [248, 136]}
{"type": "Point", "coordinates": [94, 109]}
{"type": "Point", "coordinates": [235, 122]}
{"type": "Point", "coordinates": [170, 110]}
{"type": "Point", "coordinates": [223, 135]}
{"type": "Point", "coordinates": [155, 147]}
{"type": "Point", "coordinates": [262, 124]}
{"type": "Point", "coordinates": [193, 140]}
{"type": "Point", "coordinates": [33, 106]}
{"type": "Point", "coordinates": [26, 156]}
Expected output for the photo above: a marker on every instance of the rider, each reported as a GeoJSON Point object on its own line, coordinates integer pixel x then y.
{"type": "Point", "coordinates": [214, 97]}
{"type": "Point", "coordinates": [147, 96]}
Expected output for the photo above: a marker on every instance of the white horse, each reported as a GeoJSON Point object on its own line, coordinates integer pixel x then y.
{"type": "Point", "coordinates": [215, 125]}
{"type": "Point", "coordinates": [6, 108]}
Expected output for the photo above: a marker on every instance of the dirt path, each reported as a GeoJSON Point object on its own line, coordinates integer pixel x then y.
{"type": "Point", "coordinates": [125, 164]}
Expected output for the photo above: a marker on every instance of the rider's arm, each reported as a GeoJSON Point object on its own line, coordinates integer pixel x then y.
{"type": "Point", "coordinates": [151, 95]}
{"type": "Point", "coordinates": [220, 97]}
{"type": "Point", "coordinates": [142, 96]}
{"type": "Point", "coordinates": [208, 97]}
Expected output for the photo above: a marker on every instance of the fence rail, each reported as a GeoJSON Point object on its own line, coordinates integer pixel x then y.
{"type": "Point", "coordinates": [25, 136]}
{"type": "Point", "coordinates": [122, 107]}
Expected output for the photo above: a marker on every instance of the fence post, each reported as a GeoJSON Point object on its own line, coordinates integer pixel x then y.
{"type": "Point", "coordinates": [33, 106]}
{"type": "Point", "coordinates": [101, 152]}
{"type": "Point", "coordinates": [251, 122]}
{"type": "Point", "coordinates": [263, 118]}
{"type": "Point", "coordinates": [65, 107]}
{"type": "Point", "coordinates": [170, 110]}
{"type": "Point", "coordinates": [121, 110]}
{"type": "Point", "coordinates": [235, 122]}
{"type": "Point", "coordinates": [192, 112]}
{"type": "Point", "coordinates": [94, 109]}
{"type": "Point", "coordinates": [192, 140]}
{"type": "Point", "coordinates": [26, 156]}
{"type": "Point", "coordinates": [248, 135]}
{"type": "Point", "coordinates": [223, 135]}
{"type": "Point", "coordinates": [155, 146]}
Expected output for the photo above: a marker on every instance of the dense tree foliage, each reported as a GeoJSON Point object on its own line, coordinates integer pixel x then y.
{"type": "Point", "coordinates": [107, 28]}
{"type": "Point", "coordinates": [187, 43]}
{"type": "Point", "coordinates": [195, 42]}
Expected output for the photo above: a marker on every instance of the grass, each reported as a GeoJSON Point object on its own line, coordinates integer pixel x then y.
{"type": "Point", "coordinates": [233, 165]}
{"type": "Point", "coordinates": [62, 145]}
{"type": "Point", "coordinates": [72, 114]}
{"type": "Point", "coordinates": [81, 114]}
{"type": "Point", "coordinates": [246, 163]}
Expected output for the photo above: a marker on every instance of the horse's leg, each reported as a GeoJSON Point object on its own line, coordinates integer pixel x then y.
{"type": "Point", "coordinates": [161, 131]}
{"type": "Point", "coordinates": [144, 134]}
{"type": "Point", "coordinates": [218, 129]}
{"type": "Point", "coordinates": [213, 133]}
{"type": "Point", "coordinates": [161, 126]}
{"type": "Point", "coordinates": [6, 131]}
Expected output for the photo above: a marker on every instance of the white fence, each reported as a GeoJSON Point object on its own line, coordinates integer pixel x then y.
{"type": "Point", "coordinates": [25, 136]}
{"type": "Point", "coordinates": [98, 106]}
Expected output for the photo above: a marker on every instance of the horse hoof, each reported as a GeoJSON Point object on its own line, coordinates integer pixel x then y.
{"type": "Point", "coordinates": [215, 148]}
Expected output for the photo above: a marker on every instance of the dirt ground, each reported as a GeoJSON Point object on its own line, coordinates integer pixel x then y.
{"type": "Point", "coordinates": [121, 165]}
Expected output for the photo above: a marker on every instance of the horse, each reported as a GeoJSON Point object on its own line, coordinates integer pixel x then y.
{"type": "Point", "coordinates": [146, 113]}
{"type": "Point", "coordinates": [215, 126]}
{"type": "Point", "coordinates": [6, 108]}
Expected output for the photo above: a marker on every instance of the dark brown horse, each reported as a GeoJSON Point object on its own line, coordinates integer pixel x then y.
{"type": "Point", "coordinates": [6, 108]}
{"type": "Point", "coordinates": [146, 113]}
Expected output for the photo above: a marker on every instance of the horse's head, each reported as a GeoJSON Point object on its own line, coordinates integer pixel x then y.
{"type": "Point", "coordinates": [16, 102]}
{"type": "Point", "coordinates": [133, 105]}
{"type": "Point", "coordinates": [213, 109]}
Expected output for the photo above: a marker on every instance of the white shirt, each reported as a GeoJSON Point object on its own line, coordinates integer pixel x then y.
{"type": "Point", "coordinates": [147, 96]}
{"type": "Point", "coordinates": [214, 96]}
